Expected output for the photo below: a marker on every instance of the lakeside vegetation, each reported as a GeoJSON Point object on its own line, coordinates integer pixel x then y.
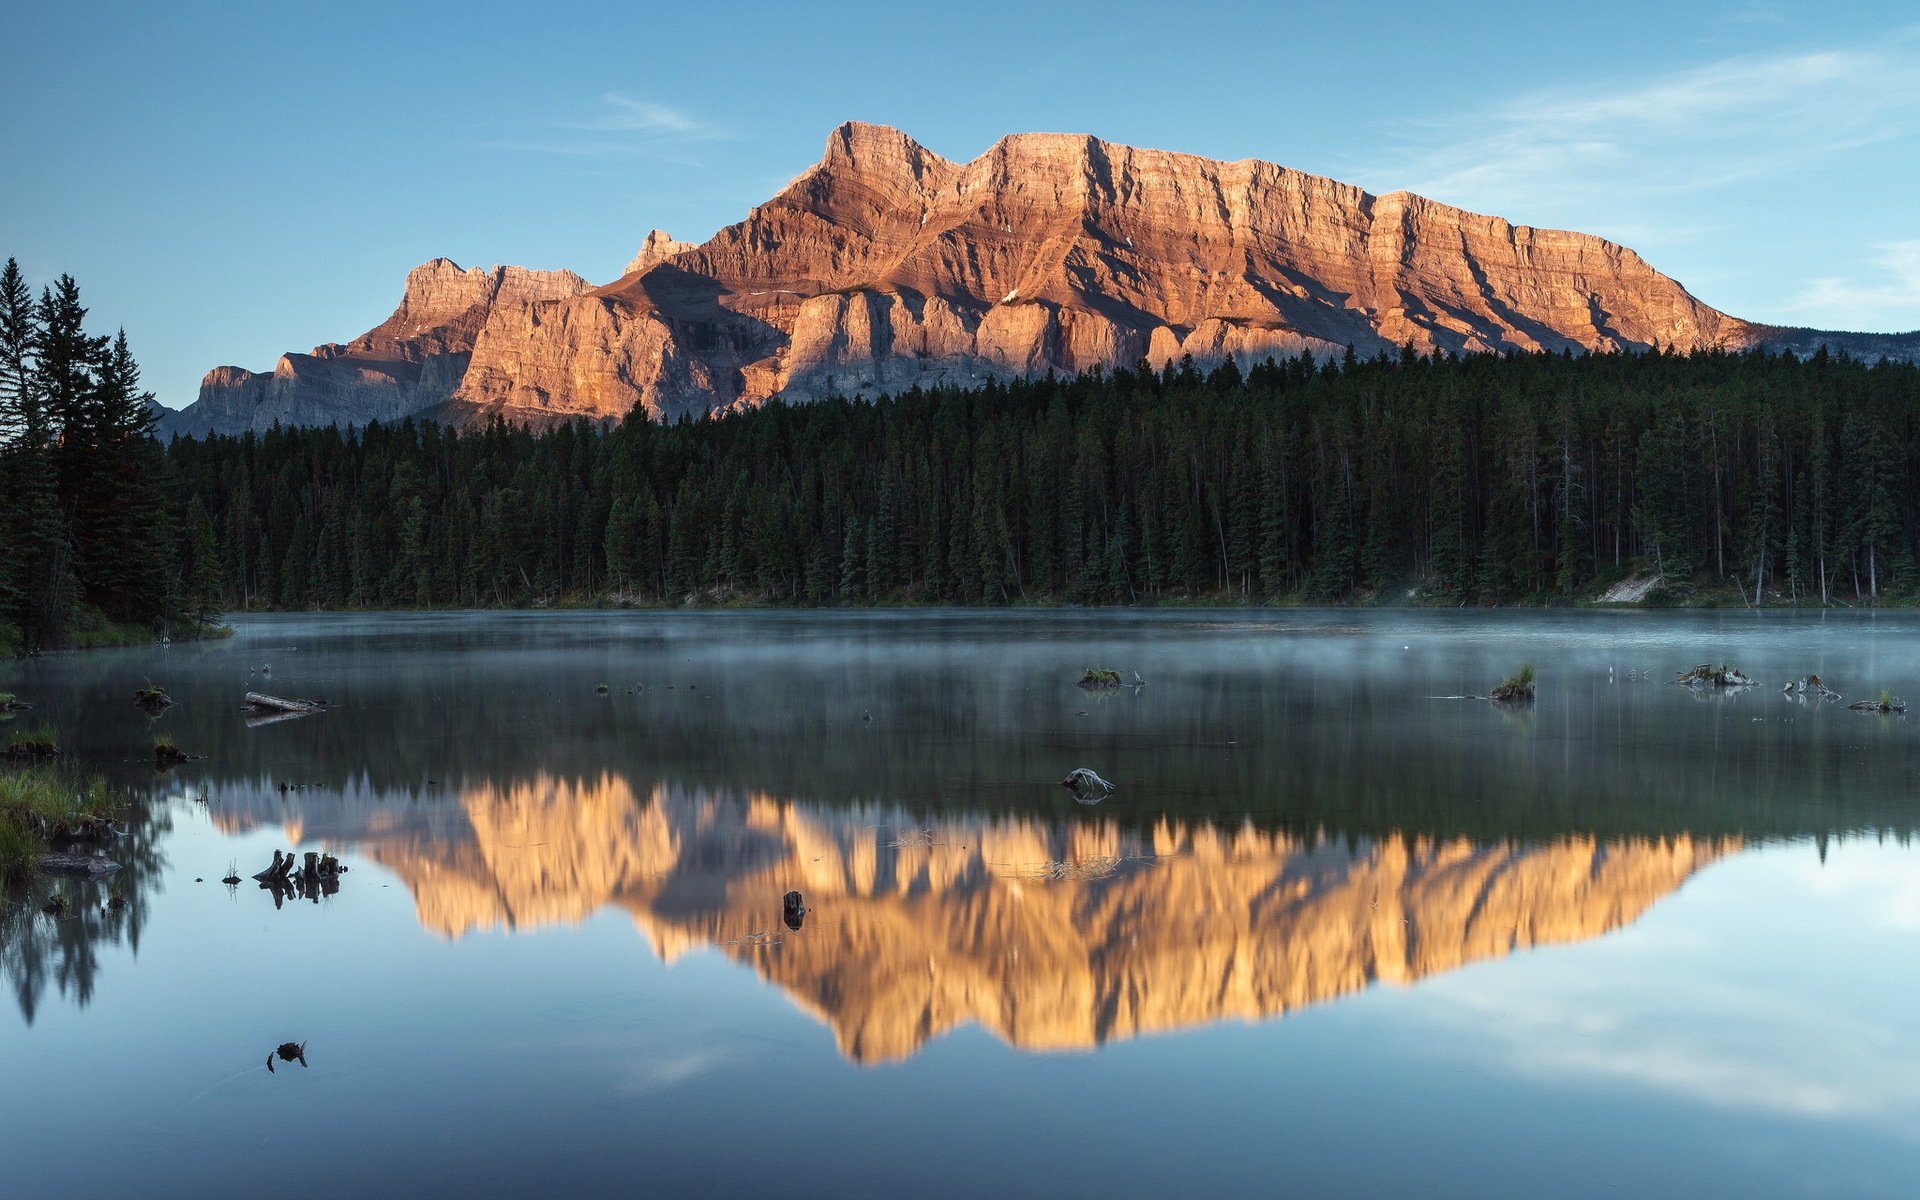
{"type": "Point", "coordinates": [41, 804]}
{"type": "Point", "coordinates": [89, 552]}
{"type": "Point", "coordinates": [1726, 478]}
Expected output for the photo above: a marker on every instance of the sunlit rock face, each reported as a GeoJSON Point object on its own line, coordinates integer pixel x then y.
{"type": "Point", "coordinates": [408, 364]}
{"type": "Point", "coordinates": [886, 266]}
{"type": "Point", "coordinates": [1053, 934]}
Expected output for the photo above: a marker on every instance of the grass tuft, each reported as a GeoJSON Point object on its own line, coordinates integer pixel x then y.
{"type": "Point", "coordinates": [41, 803]}
{"type": "Point", "coordinates": [35, 741]}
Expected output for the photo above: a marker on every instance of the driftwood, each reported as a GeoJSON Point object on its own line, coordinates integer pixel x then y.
{"type": "Point", "coordinates": [1708, 675]}
{"type": "Point", "coordinates": [282, 866]}
{"type": "Point", "coordinates": [1892, 704]}
{"type": "Point", "coordinates": [1086, 786]}
{"type": "Point", "coordinates": [91, 865]}
{"type": "Point", "coordinates": [1810, 685]}
{"type": "Point", "coordinates": [260, 700]}
{"type": "Point", "coordinates": [318, 876]}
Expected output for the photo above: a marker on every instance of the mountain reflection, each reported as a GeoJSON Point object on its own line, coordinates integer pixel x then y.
{"type": "Point", "coordinates": [1055, 932]}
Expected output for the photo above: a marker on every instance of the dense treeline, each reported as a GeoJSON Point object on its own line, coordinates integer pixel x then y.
{"type": "Point", "coordinates": [1444, 480]}
{"type": "Point", "coordinates": [86, 533]}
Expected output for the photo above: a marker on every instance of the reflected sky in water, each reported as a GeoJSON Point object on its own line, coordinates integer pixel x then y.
{"type": "Point", "coordinates": [1328, 936]}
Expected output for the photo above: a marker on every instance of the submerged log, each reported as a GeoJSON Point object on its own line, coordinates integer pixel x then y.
{"type": "Point", "coordinates": [76, 864]}
{"type": "Point", "coordinates": [1892, 704]}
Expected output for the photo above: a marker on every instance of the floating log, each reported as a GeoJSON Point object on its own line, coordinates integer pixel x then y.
{"type": "Point", "coordinates": [260, 700]}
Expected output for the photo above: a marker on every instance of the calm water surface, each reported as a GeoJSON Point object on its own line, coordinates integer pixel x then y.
{"type": "Point", "coordinates": [1334, 934]}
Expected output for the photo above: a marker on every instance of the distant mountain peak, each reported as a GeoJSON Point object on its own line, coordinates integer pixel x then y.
{"type": "Point", "coordinates": [885, 266]}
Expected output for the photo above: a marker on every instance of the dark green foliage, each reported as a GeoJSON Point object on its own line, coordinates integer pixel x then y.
{"type": "Point", "coordinates": [87, 536]}
{"type": "Point", "coordinates": [1486, 480]}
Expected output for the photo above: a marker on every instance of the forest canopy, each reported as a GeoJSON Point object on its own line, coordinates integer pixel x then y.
{"type": "Point", "coordinates": [1408, 479]}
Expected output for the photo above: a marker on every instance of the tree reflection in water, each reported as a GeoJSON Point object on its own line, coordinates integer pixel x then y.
{"type": "Point", "coordinates": [38, 949]}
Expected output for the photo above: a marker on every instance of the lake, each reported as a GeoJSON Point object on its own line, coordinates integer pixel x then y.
{"type": "Point", "coordinates": [1338, 930]}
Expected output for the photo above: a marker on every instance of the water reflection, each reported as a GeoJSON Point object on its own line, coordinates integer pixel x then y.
{"type": "Point", "coordinates": [1053, 932]}
{"type": "Point", "coordinates": [61, 950]}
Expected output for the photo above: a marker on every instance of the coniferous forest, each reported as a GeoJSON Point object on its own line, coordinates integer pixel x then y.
{"type": "Point", "coordinates": [1482, 480]}
{"type": "Point", "coordinates": [1732, 478]}
{"type": "Point", "coordinates": [87, 525]}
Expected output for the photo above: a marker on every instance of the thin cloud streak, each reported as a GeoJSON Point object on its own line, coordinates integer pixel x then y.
{"type": "Point", "coordinates": [1889, 294]}
{"type": "Point", "coordinates": [628, 126]}
{"type": "Point", "coordinates": [1735, 120]}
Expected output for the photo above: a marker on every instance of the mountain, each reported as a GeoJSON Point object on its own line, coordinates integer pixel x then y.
{"type": "Point", "coordinates": [1052, 934]}
{"type": "Point", "coordinates": [886, 266]}
{"type": "Point", "coordinates": [412, 361]}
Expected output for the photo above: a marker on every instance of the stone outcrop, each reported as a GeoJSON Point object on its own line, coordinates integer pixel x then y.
{"type": "Point", "coordinates": [1052, 934]}
{"type": "Point", "coordinates": [886, 266]}
{"type": "Point", "coordinates": [407, 365]}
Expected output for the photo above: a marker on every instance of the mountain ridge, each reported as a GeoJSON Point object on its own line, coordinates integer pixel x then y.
{"type": "Point", "coordinates": [885, 266]}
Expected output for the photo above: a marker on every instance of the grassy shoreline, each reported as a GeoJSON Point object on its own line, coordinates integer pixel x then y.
{"type": "Point", "coordinates": [41, 804]}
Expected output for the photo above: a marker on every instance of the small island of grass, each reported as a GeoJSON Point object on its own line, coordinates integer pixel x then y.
{"type": "Point", "coordinates": [1515, 689]}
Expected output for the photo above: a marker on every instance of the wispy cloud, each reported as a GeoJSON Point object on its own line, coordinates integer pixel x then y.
{"type": "Point", "coordinates": [1730, 121]}
{"type": "Point", "coordinates": [623, 125]}
{"type": "Point", "coordinates": [626, 114]}
{"type": "Point", "coordinates": [1885, 294]}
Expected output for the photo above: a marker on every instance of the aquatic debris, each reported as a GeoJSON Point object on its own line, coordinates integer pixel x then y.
{"type": "Point", "coordinates": [1887, 703]}
{"type": "Point", "coordinates": [56, 905]}
{"type": "Point", "coordinates": [1100, 677]}
{"type": "Point", "coordinates": [758, 937]}
{"type": "Point", "coordinates": [1708, 675]}
{"type": "Point", "coordinates": [259, 701]}
{"type": "Point", "coordinates": [793, 910]}
{"type": "Point", "coordinates": [287, 1052]}
{"type": "Point", "coordinates": [1515, 689]}
{"type": "Point", "coordinates": [602, 689]}
{"type": "Point", "coordinates": [152, 698]}
{"type": "Point", "coordinates": [12, 703]}
{"type": "Point", "coordinates": [166, 755]}
{"type": "Point", "coordinates": [91, 865]}
{"type": "Point", "coordinates": [1809, 685]}
{"type": "Point", "coordinates": [282, 865]}
{"type": "Point", "coordinates": [1087, 786]}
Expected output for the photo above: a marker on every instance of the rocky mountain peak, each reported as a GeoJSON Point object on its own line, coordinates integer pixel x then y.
{"type": "Point", "coordinates": [657, 248]}
{"type": "Point", "coordinates": [885, 266]}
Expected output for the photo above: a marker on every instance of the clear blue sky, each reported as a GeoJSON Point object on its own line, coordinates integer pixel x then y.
{"type": "Point", "coordinates": [232, 181]}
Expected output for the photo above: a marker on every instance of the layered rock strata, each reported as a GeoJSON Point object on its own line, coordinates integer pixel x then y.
{"type": "Point", "coordinates": [885, 266]}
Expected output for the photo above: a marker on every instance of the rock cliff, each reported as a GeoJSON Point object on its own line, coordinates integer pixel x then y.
{"type": "Point", "coordinates": [885, 265]}
{"type": "Point", "coordinates": [409, 363]}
